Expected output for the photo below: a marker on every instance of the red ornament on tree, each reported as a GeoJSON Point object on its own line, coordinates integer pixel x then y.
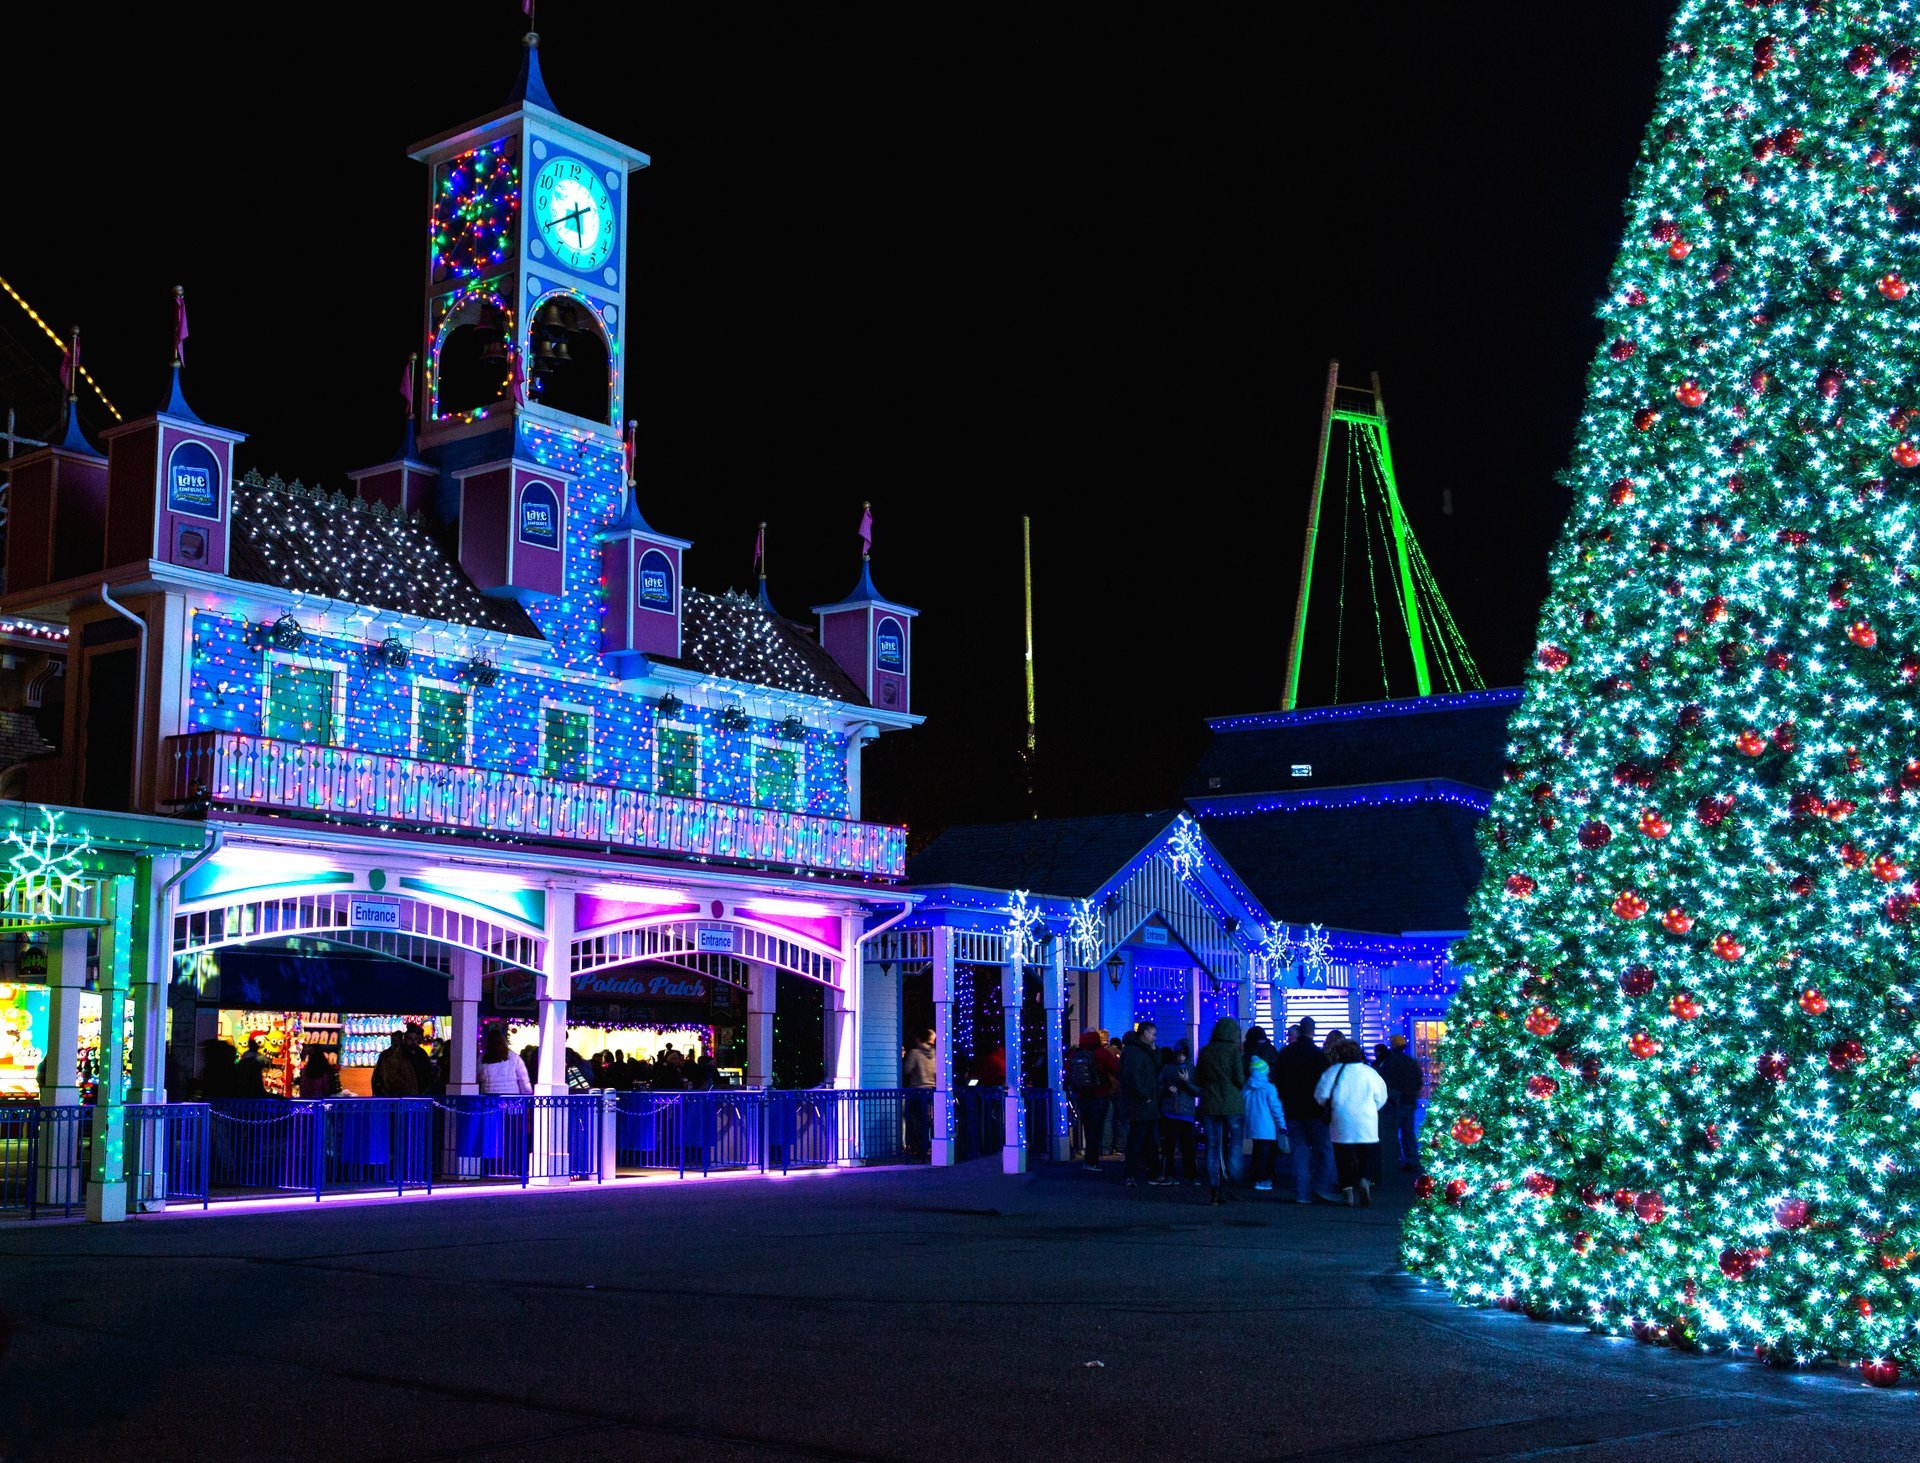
{"type": "Point", "coordinates": [1684, 1006]}
{"type": "Point", "coordinates": [1812, 1002]}
{"type": "Point", "coordinates": [1644, 418]}
{"type": "Point", "coordinates": [1541, 1087]}
{"type": "Point", "coordinates": [1677, 921]}
{"type": "Point", "coordinates": [1620, 494]}
{"type": "Point", "coordinates": [1521, 886]}
{"type": "Point", "coordinates": [1738, 1264]}
{"type": "Point", "coordinates": [1629, 905]}
{"type": "Point", "coordinates": [1750, 743]}
{"type": "Point", "coordinates": [1542, 1022]}
{"type": "Point", "coordinates": [1728, 948]}
{"type": "Point", "coordinates": [1880, 1372]}
{"type": "Point", "coordinates": [1886, 870]}
{"type": "Point", "coordinates": [1845, 1054]}
{"type": "Point", "coordinates": [1456, 1190]}
{"type": "Point", "coordinates": [1468, 1131]}
{"type": "Point", "coordinates": [1553, 657]}
{"type": "Point", "coordinates": [1653, 825]}
{"type": "Point", "coordinates": [1772, 1067]}
{"type": "Point", "coordinates": [1594, 835]}
{"type": "Point", "coordinates": [1651, 1208]}
{"type": "Point", "coordinates": [1860, 632]}
{"type": "Point", "coordinates": [1689, 393]}
{"type": "Point", "coordinates": [1540, 1185]}
{"type": "Point", "coordinates": [1892, 286]}
{"type": "Point", "coordinates": [1642, 1045]}
{"type": "Point", "coordinates": [1791, 1213]}
{"type": "Point", "coordinates": [1637, 980]}
{"type": "Point", "coordinates": [1622, 349]}
{"type": "Point", "coordinates": [1905, 453]}
{"type": "Point", "coordinates": [1861, 59]}
{"type": "Point", "coordinates": [1423, 1186]}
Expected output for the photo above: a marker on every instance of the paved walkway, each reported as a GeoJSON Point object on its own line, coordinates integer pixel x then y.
{"type": "Point", "coordinates": [884, 1315]}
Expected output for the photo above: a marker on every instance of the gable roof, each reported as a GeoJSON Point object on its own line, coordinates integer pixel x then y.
{"type": "Point", "coordinates": [1460, 738]}
{"type": "Point", "coordinates": [1381, 868]}
{"type": "Point", "coordinates": [1072, 858]}
{"type": "Point", "coordinates": [734, 637]}
{"type": "Point", "coordinates": [336, 545]}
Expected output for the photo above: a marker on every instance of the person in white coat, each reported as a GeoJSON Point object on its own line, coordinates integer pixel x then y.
{"type": "Point", "coordinates": [1355, 1093]}
{"type": "Point", "coordinates": [502, 1074]}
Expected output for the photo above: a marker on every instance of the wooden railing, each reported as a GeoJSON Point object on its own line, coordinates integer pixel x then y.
{"type": "Point", "coordinates": [237, 770]}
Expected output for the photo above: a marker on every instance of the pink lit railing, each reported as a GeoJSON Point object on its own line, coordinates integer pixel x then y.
{"type": "Point", "coordinates": [236, 770]}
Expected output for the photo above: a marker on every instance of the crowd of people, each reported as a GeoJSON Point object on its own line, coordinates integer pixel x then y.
{"type": "Point", "coordinates": [411, 1067]}
{"type": "Point", "coordinates": [1246, 1104]}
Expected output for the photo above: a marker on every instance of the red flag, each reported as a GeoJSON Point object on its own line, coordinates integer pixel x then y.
{"type": "Point", "coordinates": [179, 326]}
{"type": "Point", "coordinates": [406, 385]}
{"type": "Point", "coordinates": [519, 381]}
{"type": "Point", "coordinates": [627, 448]}
{"type": "Point", "coordinates": [760, 552]}
{"type": "Point", "coordinates": [866, 530]}
{"type": "Point", "coordinates": [69, 364]}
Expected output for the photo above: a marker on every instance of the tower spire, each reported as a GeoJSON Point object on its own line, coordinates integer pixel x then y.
{"type": "Point", "coordinates": [531, 87]}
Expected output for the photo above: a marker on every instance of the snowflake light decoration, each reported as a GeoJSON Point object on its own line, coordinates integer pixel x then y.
{"type": "Point", "coordinates": [1085, 932]}
{"type": "Point", "coordinates": [1276, 953]}
{"type": "Point", "coordinates": [44, 868]}
{"type": "Point", "coordinates": [1314, 952]}
{"type": "Point", "coordinates": [1025, 925]}
{"type": "Point", "coordinates": [1183, 848]}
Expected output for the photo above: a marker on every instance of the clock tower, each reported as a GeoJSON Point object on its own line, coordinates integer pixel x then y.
{"type": "Point", "coordinates": [524, 341]}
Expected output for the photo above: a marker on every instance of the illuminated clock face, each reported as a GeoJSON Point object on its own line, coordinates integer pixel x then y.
{"type": "Point", "coordinates": [575, 215]}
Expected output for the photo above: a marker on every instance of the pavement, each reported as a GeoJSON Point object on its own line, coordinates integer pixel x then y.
{"type": "Point", "coordinates": [896, 1314]}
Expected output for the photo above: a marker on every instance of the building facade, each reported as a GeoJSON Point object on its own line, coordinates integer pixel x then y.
{"type": "Point", "coordinates": [455, 740]}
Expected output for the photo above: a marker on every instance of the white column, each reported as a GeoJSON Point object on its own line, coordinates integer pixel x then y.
{"type": "Point", "coordinates": [763, 983]}
{"type": "Point", "coordinates": [66, 980]}
{"type": "Point", "coordinates": [943, 1136]}
{"type": "Point", "coordinates": [1194, 1036]}
{"type": "Point", "coordinates": [842, 1023]}
{"type": "Point", "coordinates": [59, 1176]}
{"type": "Point", "coordinates": [553, 987]}
{"type": "Point", "coordinates": [147, 972]}
{"type": "Point", "coordinates": [1056, 985]}
{"type": "Point", "coordinates": [463, 1068]}
{"type": "Point", "coordinates": [1013, 1154]}
{"type": "Point", "coordinates": [107, 1183]}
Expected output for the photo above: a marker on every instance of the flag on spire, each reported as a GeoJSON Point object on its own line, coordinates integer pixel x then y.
{"type": "Point", "coordinates": [628, 448]}
{"type": "Point", "coordinates": [760, 552]}
{"type": "Point", "coordinates": [406, 383]}
{"type": "Point", "coordinates": [866, 530]}
{"type": "Point", "coordinates": [179, 325]}
{"type": "Point", "coordinates": [519, 380]}
{"type": "Point", "coordinates": [70, 367]}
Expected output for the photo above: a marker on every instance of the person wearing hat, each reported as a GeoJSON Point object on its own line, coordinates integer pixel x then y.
{"type": "Point", "coordinates": [1405, 1081]}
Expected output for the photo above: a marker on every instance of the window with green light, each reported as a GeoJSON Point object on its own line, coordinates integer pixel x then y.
{"type": "Point", "coordinates": [677, 769]}
{"type": "Point", "coordinates": [300, 703]}
{"type": "Point", "coordinates": [440, 731]}
{"type": "Point", "coordinates": [566, 747]}
{"type": "Point", "coordinates": [777, 778]}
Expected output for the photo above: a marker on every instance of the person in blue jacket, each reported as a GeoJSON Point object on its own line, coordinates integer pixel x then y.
{"type": "Point", "coordinates": [1265, 1124]}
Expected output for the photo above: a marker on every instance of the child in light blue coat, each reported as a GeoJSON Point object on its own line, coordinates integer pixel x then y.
{"type": "Point", "coordinates": [1265, 1125]}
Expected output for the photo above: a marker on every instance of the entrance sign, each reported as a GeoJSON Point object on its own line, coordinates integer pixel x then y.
{"type": "Point", "coordinates": [372, 914]}
{"type": "Point", "coordinates": [716, 942]}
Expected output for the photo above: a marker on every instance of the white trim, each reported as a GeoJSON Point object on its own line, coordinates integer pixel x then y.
{"type": "Point", "coordinates": [548, 703]}
{"type": "Point", "coordinates": [306, 663]}
{"type": "Point", "coordinates": [699, 766]}
{"type": "Point", "coordinates": [775, 744]}
{"type": "Point", "coordinates": [465, 693]}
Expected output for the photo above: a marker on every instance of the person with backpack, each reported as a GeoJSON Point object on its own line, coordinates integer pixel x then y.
{"type": "Point", "coordinates": [1296, 1071]}
{"type": "Point", "coordinates": [1140, 1101]}
{"type": "Point", "coordinates": [1178, 1114]}
{"type": "Point", "coordinates": [1087, 1091]}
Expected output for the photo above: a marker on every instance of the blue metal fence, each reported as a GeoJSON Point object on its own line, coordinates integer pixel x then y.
{"type": "Point", "coordinates": [44, 1156]}
{"type": "Point", "coordinates": [197, 1152]}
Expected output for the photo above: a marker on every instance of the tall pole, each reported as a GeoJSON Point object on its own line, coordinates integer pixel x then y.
{"type": "Point", "coordinates": [1396, 515]}
{"type": "Point", "coordinates": [1026, 575]}
{"type": "Point", "coordinates": [1292, 692]}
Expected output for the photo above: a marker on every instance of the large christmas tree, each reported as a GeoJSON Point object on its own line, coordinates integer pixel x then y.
{"type": "Point", "coordinates": [1683, 1089]}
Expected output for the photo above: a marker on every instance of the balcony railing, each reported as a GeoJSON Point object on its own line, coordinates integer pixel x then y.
{"type": "Point", "coordinates": [236, 770]}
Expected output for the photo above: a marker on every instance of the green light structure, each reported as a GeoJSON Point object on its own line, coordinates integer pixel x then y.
{"type": "Point", "coordinates": [1363, 414]}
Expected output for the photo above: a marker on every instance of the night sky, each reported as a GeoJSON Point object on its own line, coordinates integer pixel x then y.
{"type": "Point", "coordinates": [967, 268]}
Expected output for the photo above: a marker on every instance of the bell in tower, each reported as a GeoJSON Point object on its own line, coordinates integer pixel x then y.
{"type": "Point", "coordinates": [570, 358]}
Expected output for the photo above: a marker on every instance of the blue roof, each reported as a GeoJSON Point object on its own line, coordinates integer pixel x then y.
{"type": "Point", "coordinates": [76, 440]}
{"type": "Point", "coordinates": [531, 86]}
{"type": "Point", "coordinates": [177, 403]}
{"type": "Point", "coordinates": [863, 593]}
{"type": "Point", "coordinates": [1073, 858]}
{"type": "Point", "coordinates": [1383, 868]}
{"type": "Point", "coordinates": [1462, 739]}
